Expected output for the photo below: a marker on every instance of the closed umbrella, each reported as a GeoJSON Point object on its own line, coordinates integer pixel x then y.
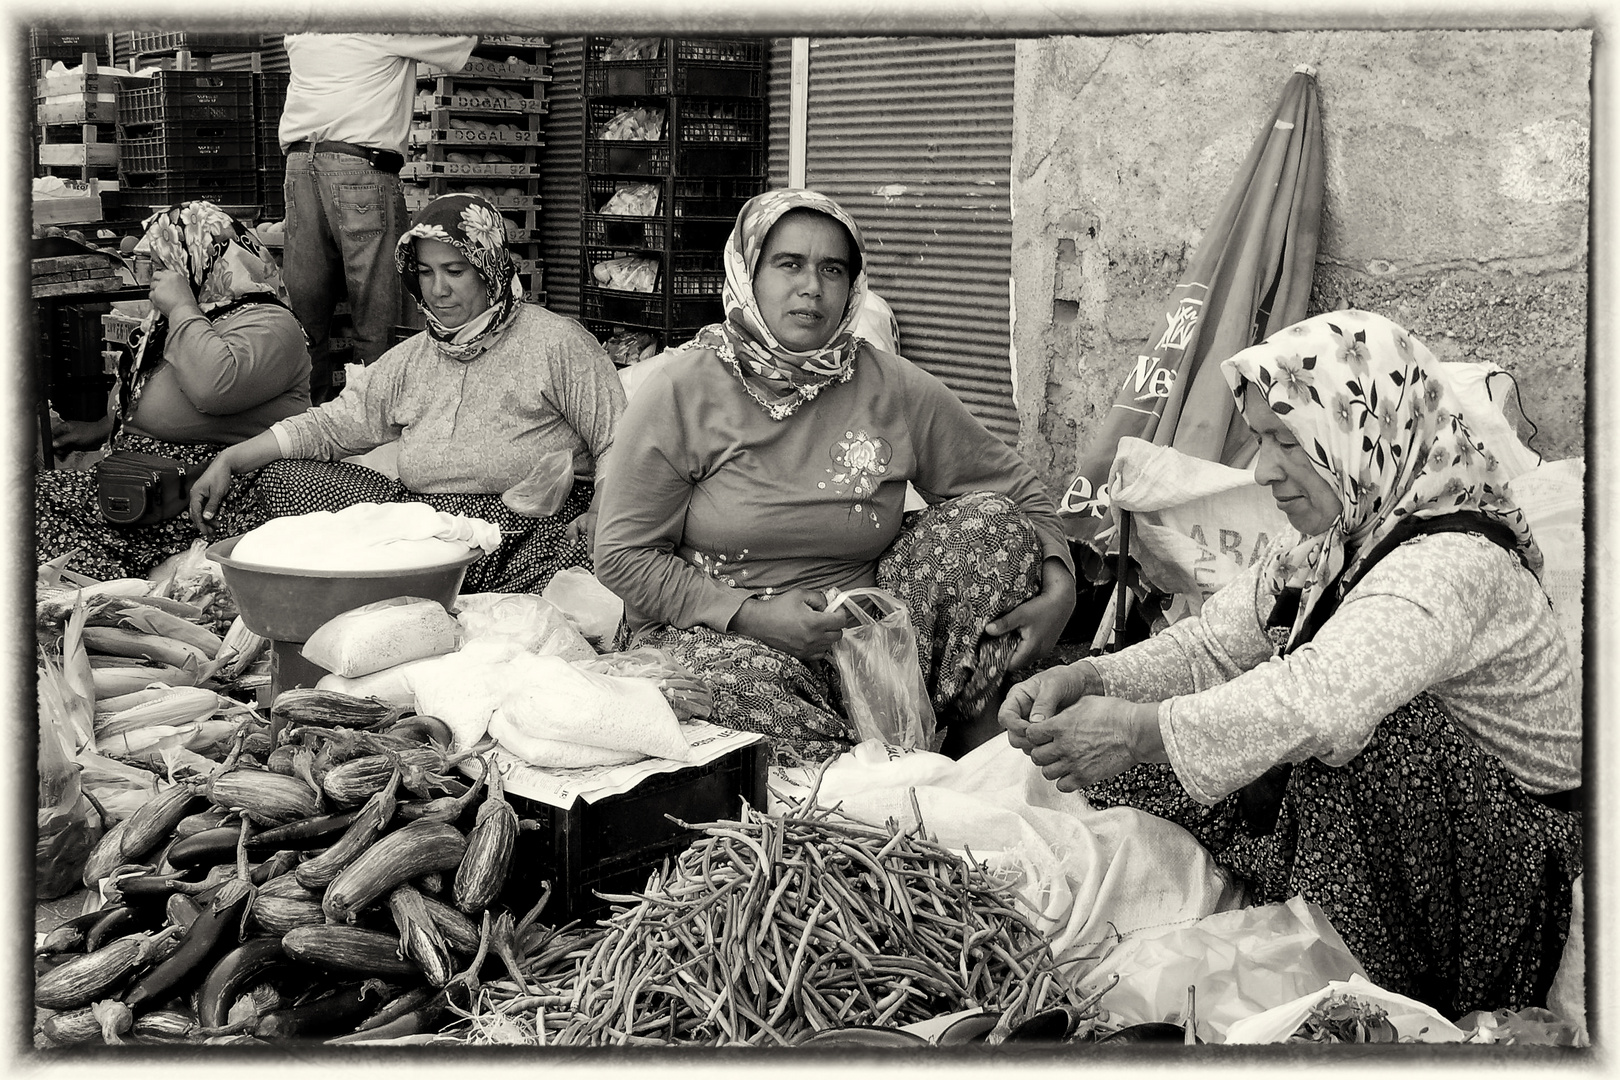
{"type": "Point", "coordinates": [1250, 277]}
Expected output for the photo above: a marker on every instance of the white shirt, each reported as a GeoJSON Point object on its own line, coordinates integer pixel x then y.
{"type": "Point", "coordinates": [359, 88]}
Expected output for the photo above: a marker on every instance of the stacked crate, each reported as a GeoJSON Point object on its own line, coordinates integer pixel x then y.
{"type": "Point", "coordinates": [188, 135]}
{"type": "Point", "coordinates": [481, 129]}
{"type": "Point", "coordinates": [707, 160]}
{"type": "Point", "coordinates": [50, 46]}
{"type": "Point", "coordinates": [269, 98]}
{"type": "Point", "coordinates": [76, 117]}
{"type": "Point", "coordinates": [180, 48]}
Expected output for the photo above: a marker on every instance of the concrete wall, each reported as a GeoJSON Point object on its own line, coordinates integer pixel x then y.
{"type": "Point", "coordinates": [1456, 201]}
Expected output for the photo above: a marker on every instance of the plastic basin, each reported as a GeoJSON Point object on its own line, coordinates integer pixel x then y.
{"type": "Point", "coordinates": [290, 605]}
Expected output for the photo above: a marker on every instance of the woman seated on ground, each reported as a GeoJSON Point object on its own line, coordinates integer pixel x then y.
{"type": "Point", "coordinates": [500, 409]}
{"type": "Point", "coordinates": [218, 360]}
{"type": "Point", "coordinates": [1411, 760]}
{"type": "Point", "coordinates": [769, 465]}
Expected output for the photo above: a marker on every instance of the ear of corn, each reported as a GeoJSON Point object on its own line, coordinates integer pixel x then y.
{"type": "Point", "coordinates": [174, 707]}
{"type": "Point", "coordinates": [349, 949]}
{"type": "Point", "coordinates": [419, 938]}
{"type": "Point", "coordinates": [116, 641]}
{"type": "Point", "coordinates": [126, 678]}
{"type": "Point", "coordinates": [330, 708]}
{"type": "Point", "coordinates": [141, 617]}
{"type": "Point", "coordinates": [108, 706]}
{"type": "Point", "coordinates": [239, 648]}
{"type": "Point", "coordinates": [422, 847]}
{"type": "Point", "coordinates": [483, 869]}
{"type": "Point", "coordinates": [266, 797]}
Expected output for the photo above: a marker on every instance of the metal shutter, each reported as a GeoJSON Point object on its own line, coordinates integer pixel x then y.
{"type": "Point", "coordinates": [914, 137]}
{"type": "Point", "coordinates": [561, 168]}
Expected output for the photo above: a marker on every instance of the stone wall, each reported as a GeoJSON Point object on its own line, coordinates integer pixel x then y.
{"type": "Point", "coordinates": [1456, 201]}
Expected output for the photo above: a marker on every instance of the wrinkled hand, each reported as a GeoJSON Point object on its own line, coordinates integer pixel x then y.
{"type": "Point", "coordinates": [1043, 695]}
{"type": "Point", "coordinates": [796, 622]}
{"type": "Point", "coordinates": [1093, 740]}
{"type": "Point", "coordinates": [1039, 621]}
{"type": "Point", "coordinates": [582, 528]}
{"type": "Point", "coordinates": [207, 491]}
{"type": "Point", "coordinates": [171, 291]}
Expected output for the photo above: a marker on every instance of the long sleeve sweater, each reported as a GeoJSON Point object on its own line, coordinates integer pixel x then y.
{"type": "Point", "coordinates": [1452, 613]}
{"type": "Point", "coordinates": [228, 380]}
{"type": "Point", "coordinates": [710, 501]}
{"type": "Point", "coordinates": [476, 427]}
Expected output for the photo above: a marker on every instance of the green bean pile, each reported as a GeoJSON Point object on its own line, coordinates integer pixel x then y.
{"type": "Point", "coordinates": [769, 929]}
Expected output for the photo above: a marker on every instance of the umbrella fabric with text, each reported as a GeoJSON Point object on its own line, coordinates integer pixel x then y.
{"type": "Point", "coordinates": [1250, 277]}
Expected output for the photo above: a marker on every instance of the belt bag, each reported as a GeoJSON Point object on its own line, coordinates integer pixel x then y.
{"type": "Point", "coordinates": [141, 489]}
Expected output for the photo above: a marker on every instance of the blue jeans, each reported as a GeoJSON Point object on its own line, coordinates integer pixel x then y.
{"type": "Point", "coordinates": [343, 219]}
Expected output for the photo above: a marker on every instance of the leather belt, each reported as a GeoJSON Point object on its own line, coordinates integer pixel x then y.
{"type": "Point", "coordinates": [385, 160]}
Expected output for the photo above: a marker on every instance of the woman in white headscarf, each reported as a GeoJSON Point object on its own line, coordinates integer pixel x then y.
{"type": "Point", "coordinates": [769, 464]}
{"type": "Point", "coordinates": [1380, 715]}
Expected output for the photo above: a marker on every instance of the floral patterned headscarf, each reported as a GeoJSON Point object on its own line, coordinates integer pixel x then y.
{"type": "Point", "coordinates": [227, 266]}
{"type": "Point", "coordinates": [1378, 417]}
{"type": "Point", "coordinates": [780, 379]}
{"type": "Point", "coordinates": [475, 228]}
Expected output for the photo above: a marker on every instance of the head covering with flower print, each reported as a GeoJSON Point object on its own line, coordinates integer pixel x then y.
{"type": "Point", "coordinates": [475, 228]}
{"type": "Point", "coordinates": [228, 268]}
{"type": "Point", "coordinates": [780, 379]}
{"type": "Point", "coordinates": [1377, 416]}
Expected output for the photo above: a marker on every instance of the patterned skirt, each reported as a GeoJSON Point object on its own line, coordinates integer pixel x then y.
{"type": "Point", "coordinates": [67, 515]}
{"type": "Point", "coordinates": [956, 566]}
{"type": "Point", "coordinates": [531, 551]}
{"type": "Point", "coordinates": [1446, 879]}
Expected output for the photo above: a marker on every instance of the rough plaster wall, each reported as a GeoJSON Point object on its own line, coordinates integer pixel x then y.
{"type": "Point", "coordinates": [1456, 201]}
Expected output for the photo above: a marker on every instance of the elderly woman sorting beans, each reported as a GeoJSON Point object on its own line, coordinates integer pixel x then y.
{"type": "Point", "coordinates": [769, 464]}
{"type": "Point", "coordinates": [1379, 715]}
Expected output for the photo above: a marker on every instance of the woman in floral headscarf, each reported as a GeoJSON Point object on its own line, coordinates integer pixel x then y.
{"type": "Point", "coordinates": [219, 358]}
{"type": "Point", "coordinates": [1380, 715]}
{"type": "Point", "coordinates": [499, 410]}
{"type": "Point", "coordinates": [769, 465]}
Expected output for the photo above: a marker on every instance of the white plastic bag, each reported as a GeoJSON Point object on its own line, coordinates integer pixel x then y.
{"type": "Point", "coordinates": [538, 624]}
{"type": "Point", "coordinates": [877, 666]}
{"type": "Point", "coordinates": [1412, 1019]}
{"type": "Point", "coordinates": [593, 608]}
{"type": "Point", "coordinates": [541, 493]}
{"type": "Point", "coordinates": [379, 635]}
{"type": "Point", "coordinates": [547, 697]}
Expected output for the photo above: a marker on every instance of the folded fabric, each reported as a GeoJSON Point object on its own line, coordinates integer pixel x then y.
{"type": "Point", "coordinates": [547, 697]}
{"type": "Point", "coordinates": [366, 536]}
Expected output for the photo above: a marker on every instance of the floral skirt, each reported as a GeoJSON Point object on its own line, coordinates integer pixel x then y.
{"type": "Point", "coordinates": [956, 566]}
{"type": "Point", "coordinates": [67, 515]}
{"type": "Point", "coordinates": [1446, 879]}
{"type": "Point", "coordinates": [531, 551]}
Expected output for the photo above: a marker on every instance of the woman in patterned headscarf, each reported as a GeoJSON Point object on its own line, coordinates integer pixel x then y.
{"type": "Point", "coordinates": [499, 410]}
{"type": "Point", "coordinates": [769, 465]}
{"type": "Point", "coordinates": [217, 360]}
{"type": "Point", "coordinates": [1380, 715]}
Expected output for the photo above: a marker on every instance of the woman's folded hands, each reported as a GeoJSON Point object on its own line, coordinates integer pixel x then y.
{"type": "Point", "coordinates": [1059, 718]}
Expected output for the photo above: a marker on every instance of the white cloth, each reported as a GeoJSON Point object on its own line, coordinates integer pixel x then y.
{"type": "Point", "coordinates": [366, 536]}
{"type": "Point", "coordinates": [1083, 876]}
{"type": "Point", "coordinates": [359, 88]}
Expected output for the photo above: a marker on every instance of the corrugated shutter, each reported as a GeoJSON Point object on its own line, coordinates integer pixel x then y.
{"type": "Point", "coordinates": [561, 165]}
{"type": "Point", "coordinates": [914, 137]}
{"type": "Point", "coordinates": [780, 75]}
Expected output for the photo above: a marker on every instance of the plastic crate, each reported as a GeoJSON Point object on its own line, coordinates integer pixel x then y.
{"type": "Point", "coordinates": [615, 843]}
{"type": "Point", "coordinates": [223, 189]}
{"type": "Point", "coordinates": [720, 159]}
{"type": "Point", "coordinates": [619, 306]}
{"type": "Point", "coordinates": [714, 66]}
{"type": "Point", "coordinates": [719, 120]}
{"type": "Point", "coordinates": [713, 197]}
{"type": "Point", "coordinates": [697, 273]}
{"type": "Point", "coordinates": [186, 148]}
{"type": "Point", "coordinates": [701, 234]}
{"type": "Point", "coordinates": [46, 45]}
{"type": "Point", "coordinates": [141, 43]}
{"type": "Point", "coordinates": [189, 95]}
{"type": "Point", "coordinates": [627, 158]}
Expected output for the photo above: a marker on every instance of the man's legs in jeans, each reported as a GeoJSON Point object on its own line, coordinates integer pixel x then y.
{"type": "Point", "coordinates": [343, 220]}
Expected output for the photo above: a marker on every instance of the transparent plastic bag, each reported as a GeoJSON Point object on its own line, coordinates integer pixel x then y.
{"type": "Point", "coordinates": [877, 665]}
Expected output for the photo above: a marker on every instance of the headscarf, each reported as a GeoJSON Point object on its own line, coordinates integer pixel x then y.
{"type": "Point", "coordinates": [228, 268]}
{"type": "Point", "coordinates": [780, 379]}
{"type": "Point", "coordinates": [473, 227]}
{"type": "Point", "coordinates": [1378, 418]}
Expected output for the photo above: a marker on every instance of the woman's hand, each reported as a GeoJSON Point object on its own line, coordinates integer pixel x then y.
{"type": "Point", "coordinates": [207, 491]}
{"type": "Point", "coordinates": [1040, 620]}
{"type": "Point", "coordinates": [1044, 695]}
{"type": "Point", "coordinates": [1094, 740]}
{"type": "Point", "coordinates": [79, 434]}
{"type": "Point", "coordinates": [796, 622]}
{"type": "Point", "coordinates": [582, 528]}
{"type": "Point", "coordinates": [171, 294]}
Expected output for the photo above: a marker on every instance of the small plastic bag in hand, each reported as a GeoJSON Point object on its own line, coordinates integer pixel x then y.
{"type": "Point", "coordinates": [877, 665]}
